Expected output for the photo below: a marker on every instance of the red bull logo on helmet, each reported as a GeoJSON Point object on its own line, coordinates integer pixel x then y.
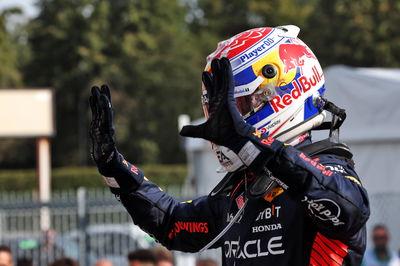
{"type": "Point", "coordinates": [292, 55]}
{"type": "Point", "coordinates": [300, 86]}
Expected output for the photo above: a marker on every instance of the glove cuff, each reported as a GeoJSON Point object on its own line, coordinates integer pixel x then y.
{"type": "Point", "coordinates": [248, 153]}
{"type": "Point", "coordinates": [269, 146]}
{"type": "Point", "coordinates": [256, 151]}
{"type": "Point", "coordinates": [121, 176]}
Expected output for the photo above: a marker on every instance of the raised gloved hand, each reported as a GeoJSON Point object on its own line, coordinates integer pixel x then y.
{"type": "Point", "coordinates": [219, 127]}
{"type": "Point", "coordinates": [225, 126]}
{"type": "Point", "coordinates": [268, 144]}
{"type": "Point", "coordinates": [101, 127]}
{"type": "Point", "coordinates": [120, 175]}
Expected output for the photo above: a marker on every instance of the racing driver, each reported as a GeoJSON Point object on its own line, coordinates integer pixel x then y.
{"type": "Point", "coordinates": [285, 200]}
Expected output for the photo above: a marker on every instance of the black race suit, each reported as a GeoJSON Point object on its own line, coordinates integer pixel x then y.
{"type": "Point", "coordinates": [319, 220]}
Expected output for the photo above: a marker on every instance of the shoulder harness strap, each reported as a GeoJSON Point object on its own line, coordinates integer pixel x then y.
{"type": "Point", "coordinates": [338, 117]}
{"type": "Point", "coordinates": [326, 146]}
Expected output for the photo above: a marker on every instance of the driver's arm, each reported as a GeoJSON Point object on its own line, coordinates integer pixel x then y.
{"type": "Point", "coordinates": [185, 226]}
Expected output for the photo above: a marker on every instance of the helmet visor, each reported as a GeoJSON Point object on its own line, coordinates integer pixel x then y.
{"type": "Point", "coordinates": [251, 103]}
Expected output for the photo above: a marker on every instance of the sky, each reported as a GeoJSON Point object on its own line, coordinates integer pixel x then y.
{"type": "Point", "coordinates": [27, 6]}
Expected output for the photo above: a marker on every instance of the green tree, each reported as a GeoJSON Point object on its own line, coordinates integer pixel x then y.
{"type": "Point", "coordinates": [356, 33]}
{"type": "Point", "coordinates": [13, 55]}
{"type": "Point", "coordinates": [157, 65]}
{"type": "Point", "coordinates": [152, 54]}
{"type": "Point", "coordinates": [10, 76]}
{"type": "Point", "coordinates": [54, 37]}
{"type": "Point", "coordinates": [226, 18]}
{"type": "Point", "coordinates": [143, 49]}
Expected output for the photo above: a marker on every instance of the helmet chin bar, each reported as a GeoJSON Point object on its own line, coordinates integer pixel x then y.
{"type": "Point", "coordinates": [317, 123]}
{"type": "Point", "coordinates": [305, 126]}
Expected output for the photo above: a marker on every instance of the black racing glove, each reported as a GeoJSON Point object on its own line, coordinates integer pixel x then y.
{"type": "Point", "coordinates": [120, 175]}
{"type": "Point", "coordinates": [268, 144]}
{"type": "Point", "coordinates": [101, 127]}
{"type": "Point", "coordinates": [225, 126]}
{"type": "Point", "coordinates": [219, 128]}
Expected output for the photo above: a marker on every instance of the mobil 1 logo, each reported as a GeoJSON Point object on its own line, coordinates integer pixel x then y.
{"type": "Point", "coordinates": [324, 209]}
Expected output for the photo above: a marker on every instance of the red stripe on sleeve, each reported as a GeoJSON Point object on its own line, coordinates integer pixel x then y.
{"type": "Point", "coordinates": [326, 251]}
{"type": "Point", "coordinates": [313, 262]}
{"type": "Point", "coordinates": [330, 253]}
{"type": "Point", "coordinates": [318, 258]}
{"type": "Point", "coordinates": [327, 255]}
{"type": "Point", "coordinates": [339, 247]}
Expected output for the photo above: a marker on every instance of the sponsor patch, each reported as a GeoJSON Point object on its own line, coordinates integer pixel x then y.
{"type": "Point", "coordinates": [266, 228]}
{"type": "Point", "coordinates": [274, 193]}
{"type": "Point", "coordinates": [336, 168]}
{"type": "Point", "coordinates": [190, 227]}
{"type": "Point", "coordinates": [269, 212]}
{"type": "Point", "coordinates": [248, 153]}
{"type": "Point", "coordinates": [240, 201]}
{"type": "Point", "coordinates": [324, 209]}
{"type": "Point", "coordinates": [302, 85]}
{"type": "Point", "coordinates": [316, 165]}
{"type": "Point", "coordinates": [253, 248]}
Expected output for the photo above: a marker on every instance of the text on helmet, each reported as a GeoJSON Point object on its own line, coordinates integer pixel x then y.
{"type": "Point", "coordinates": [301, 85]}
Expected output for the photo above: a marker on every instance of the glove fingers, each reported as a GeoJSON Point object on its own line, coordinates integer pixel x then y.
{"type": "Point", "coordinates": [92, 106]}
{"type": "Point", "coordinates": [95, 102]}
{"type": "Point", "coordinates": [216, 71]}
{"type": "Point", "coordinates": [227, 74]}
{"type": "Point", "coordinates": [94, 115]}
{"type": "Point", "coordinates": [215, 65]}
{"type": "Point", "coordinates": [223, 85]}
{"type": "Point", "coordinates": [96, 97]}
{"type": "Point", "coordinates": [106, 111]}
{"type": "Point", "coordinates": [192, 131]}
{"type": "Point", "coordinates": [101, 128]}
{"type": "Point", "coordinates": [95, 109]}
{"type": "Point", "coordinates": [95, 91]}
{"type": "Point", "coordinates": [106, 90]}
{"type": "Point", "coordinates": [221, 77]}
{"type": "Point", "coordinates": [208, 83]}
{"type": "Point", "coordinates": [207, 79]}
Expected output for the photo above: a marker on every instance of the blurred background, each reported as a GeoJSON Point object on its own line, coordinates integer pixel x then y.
{"type": "Point", "coordinates": [152, 53]}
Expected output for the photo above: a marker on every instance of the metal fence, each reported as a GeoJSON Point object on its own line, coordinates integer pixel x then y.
{"type": "Point", "coordinates": [85, 225]}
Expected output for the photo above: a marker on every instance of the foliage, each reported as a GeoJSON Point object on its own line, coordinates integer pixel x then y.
{"type": "Point", "coordinates": [10, 75]}
{"type": "Point", "coordinates": [140, 48]}
{"type": "Point", "coordinates": [152, 54]}
{"type": "Point", "coordinates": [13, 55]}
{"type": "Point", "coordinates": [74, 177]}
{"type": "Point", "coordinates": [356, 33]}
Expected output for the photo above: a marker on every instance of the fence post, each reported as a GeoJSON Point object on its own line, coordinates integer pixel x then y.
{"type": "Point", "coordinates": [82, 223]}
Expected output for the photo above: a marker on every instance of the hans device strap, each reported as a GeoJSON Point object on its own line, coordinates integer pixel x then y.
{"type": "Point", "coordinates": [327, 147]}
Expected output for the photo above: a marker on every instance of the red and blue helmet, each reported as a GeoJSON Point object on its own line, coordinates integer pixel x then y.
{"type": "Point", "coordinates": [278, 81]}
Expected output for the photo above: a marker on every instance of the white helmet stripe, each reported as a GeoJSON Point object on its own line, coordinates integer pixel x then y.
{"type": "Point", "coordinates": [248, 88]}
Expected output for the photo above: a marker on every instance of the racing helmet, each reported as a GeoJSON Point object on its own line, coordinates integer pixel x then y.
{"type": "Point", "coordinates": [278, 84]}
